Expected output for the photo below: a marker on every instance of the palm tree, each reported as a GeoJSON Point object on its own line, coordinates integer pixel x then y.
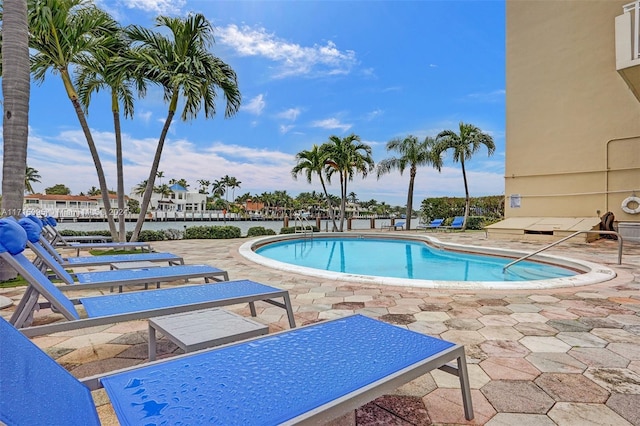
{"type": "Point", "coordinates": [282, 201]}
{"type": "Point", "coordinates": [218, 188]}
{"type": "Point", "coordinates": [347, 156]}
{"type": "Point", "coordinates": [93, 191]}
{"type": "Point", "coordinates": [182, 182]}
{"type": "Point", "coordinates": [63, 33]}
{"type": "Point", "coordinates": [313, 162]}
{"type": "Point", "coordinates": [241, 199]}
{"type": "Point", "coordinates": [106, 70]}
{"type": "Point", "coordinates": [140, 188]}
{"type": "Point", "coordinates": [464, 145]}
{"type": "Point", "coordinates": [412, 154]}
{"type": "Point", "coordinates": [267, 199]}
{"type": "Point", "coordinates": [30, 176]}
{"type": "Point", "coordinates": [14, 68]}
{"type": "Point", "coordinates": [164, 190]}
{"type": "Point", "coordinates": [187, 71]}
{"type": "Point", "coordinates": [233, 183]}
{"type": "Point", "coordinates": [204, 186]}
{"type": "Point", "coordinates": [352, 197]}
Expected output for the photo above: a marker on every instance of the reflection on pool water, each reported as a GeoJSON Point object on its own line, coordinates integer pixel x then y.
{"type": "Point", "coordinates": [404, 259]}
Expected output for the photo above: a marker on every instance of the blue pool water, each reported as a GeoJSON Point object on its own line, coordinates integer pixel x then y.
{"type": "Point", "coordinates": [404, 259]}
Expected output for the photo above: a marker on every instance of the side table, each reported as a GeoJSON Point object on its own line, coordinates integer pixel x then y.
{"type": "Point", "coordinates": [205, 328]}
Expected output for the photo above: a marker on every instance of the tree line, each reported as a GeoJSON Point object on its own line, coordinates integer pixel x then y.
{"type": "Point", "coordinates": [348, 156]}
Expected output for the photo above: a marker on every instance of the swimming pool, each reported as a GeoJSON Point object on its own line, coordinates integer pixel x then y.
{"type": "Point", "coordinates": [417, 261]}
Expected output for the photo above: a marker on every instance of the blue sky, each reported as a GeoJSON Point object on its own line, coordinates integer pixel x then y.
{"type": "Point", "coordinates": [306, 70]}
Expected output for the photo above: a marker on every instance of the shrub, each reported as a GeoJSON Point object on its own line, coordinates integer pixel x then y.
{"type": "Point", "coordinates": [70, 233]}
{"type": "Point", "coordinates": [148, 235]}
{"type": "Point", "coordinates": [212, 232]}
{"type": "Point", "coordinates": [475, 222]}
{"type": "Point", "coordinates": [293, 229]}
{"type": "Point", "coordinates": [489, 207]}
{"type": "Point", "coordinates": [173, 234]}
{"type": "Point", "coordinates": [256, 231]}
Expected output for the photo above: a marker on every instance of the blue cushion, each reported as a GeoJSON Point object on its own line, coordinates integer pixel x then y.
{"type": "Point", "coordinates": [13, 238]}
{"type": "Point", "coordinates": [36, 219]}
{"type": "Point", "coordinates": [32, 228]}
{"type": "Point", "coordinates": [51, 221]}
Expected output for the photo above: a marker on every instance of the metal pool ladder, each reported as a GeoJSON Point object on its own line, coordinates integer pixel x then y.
{"type": "Point", "coordinates": [304, 224]}
{"type": "Point", "coordinates": [555, 243]}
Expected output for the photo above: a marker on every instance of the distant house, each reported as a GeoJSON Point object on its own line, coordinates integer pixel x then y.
{"type": "Point", "coordinates": [179, 200]}
{"type": "Point", "coordinates": [63, 206]}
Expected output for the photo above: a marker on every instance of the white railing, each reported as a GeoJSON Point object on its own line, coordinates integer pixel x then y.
{"type": "Point", "coordinates": [634, 10]}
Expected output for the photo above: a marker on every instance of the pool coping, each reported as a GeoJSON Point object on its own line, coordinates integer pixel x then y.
{"type": "Point", "coordinates": [593, 273]}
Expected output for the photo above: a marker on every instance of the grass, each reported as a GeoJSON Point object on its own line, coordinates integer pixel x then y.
{"type": "Point", "coordinates": [15, 282]}
{"type": "Point", "coordinates": [19, 281]}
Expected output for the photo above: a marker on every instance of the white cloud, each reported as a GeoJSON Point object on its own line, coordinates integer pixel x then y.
{"type": "Point", "coordinates": [292, 58]}
{"type": "Point", "coordinates": [144, 116]}
{"type": "Point", "coordinates": [289, 114]}
{"type": "Point", "coordinates": [285, 129]}
{"type": "Point", "coordinates": [255, 106]}
{"type": "Point", "coordinates": [489, 97]}
{"type": "Point", "coordinates": [161, 7]}
{"type": "Point", "coordinates": [331, 123]}
{"type": "Point", "coordinates": [373, 114]}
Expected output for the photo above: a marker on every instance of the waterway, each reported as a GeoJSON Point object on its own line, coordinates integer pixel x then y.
{"type": "Point", "coordinates": [244, 225]}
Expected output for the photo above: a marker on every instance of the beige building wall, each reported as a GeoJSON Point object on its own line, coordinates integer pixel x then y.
{"type": "Point", "coordinates": [573, 124]}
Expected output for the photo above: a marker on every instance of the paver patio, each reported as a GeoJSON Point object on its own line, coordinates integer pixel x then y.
{"type": "Point", "coordinates": [565, 356]}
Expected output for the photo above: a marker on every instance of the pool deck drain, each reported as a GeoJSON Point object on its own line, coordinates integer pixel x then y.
{"type": "Point", "coordinates": [536, 356]}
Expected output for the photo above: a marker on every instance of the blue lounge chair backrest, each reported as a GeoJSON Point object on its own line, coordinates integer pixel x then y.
{"type": "Point", "coordinates": [458, 221]}
{"type": "Point", "coordinates": [51, 249]}
{"type": "Point", "coordinates": [51, 221]}
{"type": "Point", "coordinates": [33, 237]}
{"type": "Point", "coordinates": [35, 390]}
{"type": "Point", "coordinates": [13, 239]}
{"type": "Point", "coordinates": [435, 223]}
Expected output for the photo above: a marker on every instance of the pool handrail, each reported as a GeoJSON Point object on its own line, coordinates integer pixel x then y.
{"type": "Point", "coordinates": [555, 243]}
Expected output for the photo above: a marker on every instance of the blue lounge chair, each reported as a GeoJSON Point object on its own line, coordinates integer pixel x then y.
{"type": "Point", "coordinates": [118, 278]}
{"type": "Point", "coordinates": [396, 226]}
{"type": "Point", "coordinates": [120, 307]}
{"type": "Point", "coordinates": [434, 225]}
{"type": "Point", "coordinates": [311, 374]}
{"type": "Point", "coordinates": [70, 262]}
{"type": "Point", "coordinates": [49, 224]}
{"type": "Point", "coordinates": [457, 223]}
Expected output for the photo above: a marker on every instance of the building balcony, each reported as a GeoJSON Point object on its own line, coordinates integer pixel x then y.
{"type": "Point", "coordinates": [628, 46]}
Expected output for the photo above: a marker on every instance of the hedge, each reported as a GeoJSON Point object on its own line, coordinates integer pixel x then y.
{"type": "Point", "coordinates": [257, 231]}
{"type": "Point", "coordinates": [212, 232]}
{"type": "Point", "coordinates": [293, 229]}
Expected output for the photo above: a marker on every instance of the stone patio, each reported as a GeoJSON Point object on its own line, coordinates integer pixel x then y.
{"type": "Point", "coordinates": [566, 356]}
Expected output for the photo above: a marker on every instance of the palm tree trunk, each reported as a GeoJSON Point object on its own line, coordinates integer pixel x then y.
{"type": "Point", "coordinates": [122, 233]}
{"type": "Point", "coordinates": [92, 148]}
{"type": "Point", "coordinates": [16, 89]}
{"type": "Point", "coordinates": [15, 124]}
{"type": "Point", "coordinates": [466, 195]}
{"type": "Point", "coordinates": [146, 198]}
{"type": "Point", "coordinates": [412, 178]}
{"type": "Point", "coordinates": [343, 203]}
{"type": "Point", "coordinates": [329, 203]}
